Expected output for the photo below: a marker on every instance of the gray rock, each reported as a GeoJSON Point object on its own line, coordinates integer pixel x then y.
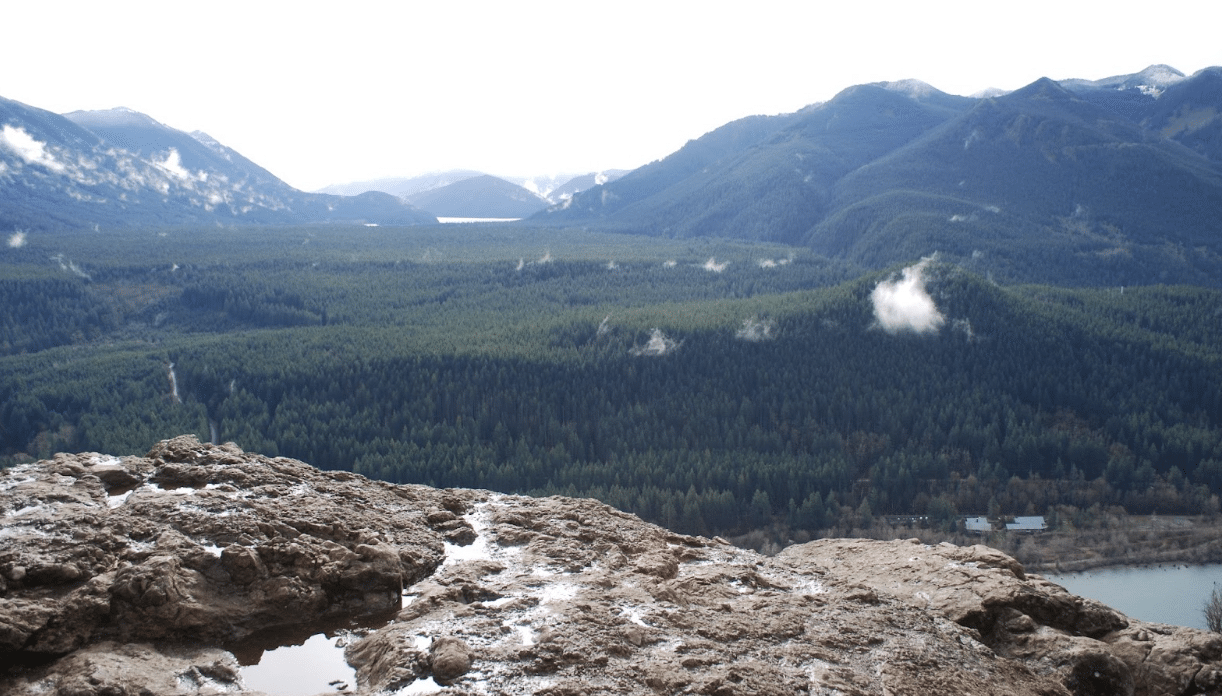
{"type": "Point", "coordinates": [1089, 647]}
{"type": "Point", "coordinates": [213, 544]}
{"type": "Point", "coordinates": [450, 658]}
{"type": "Point", "coordinates": [110, 565]}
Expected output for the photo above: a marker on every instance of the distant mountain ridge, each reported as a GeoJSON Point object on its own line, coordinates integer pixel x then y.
{"type": "Point", "coordinates": [553, 188]}
{"type": "Point", "coordinates": [402, 186]}
{"type": "Point", "coordinates": [1084, 182]}
{"type": "Point", "coordinates": [119, 167]}
{"type": "Point", "coordinates": [479, 197]}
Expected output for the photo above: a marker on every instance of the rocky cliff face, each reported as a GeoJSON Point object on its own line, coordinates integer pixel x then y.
{"type": "Point", "coordinates": [137, 575]}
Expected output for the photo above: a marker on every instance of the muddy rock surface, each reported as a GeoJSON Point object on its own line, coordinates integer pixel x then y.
{"type": "Point", "coordinates": [136, 576]}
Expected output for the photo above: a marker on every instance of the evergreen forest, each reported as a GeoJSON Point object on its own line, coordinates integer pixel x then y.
{"type": "Point", "coordinates": [711, 386]}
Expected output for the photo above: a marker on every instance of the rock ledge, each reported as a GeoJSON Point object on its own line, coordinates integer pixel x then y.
{"type": "Point", "coordinates": [134, 575]}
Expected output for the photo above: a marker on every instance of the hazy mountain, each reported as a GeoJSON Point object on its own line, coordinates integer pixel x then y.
{"type": "Point", "coordinates": [580, 183]}
{"type": "Point", "coordinates": [558, 187]}
{"type": "Point", "coordinates": [479, 197]}
{"type": "Point", "coordinates": [403, 186]}
{"type": "Point", "coordinates": [1044, 183]}
{"type": "Point", "coordinates": [119, 167]}
{"type": "Point", "coordinates": [553, 188]}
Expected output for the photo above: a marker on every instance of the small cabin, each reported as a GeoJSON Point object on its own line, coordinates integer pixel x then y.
{"type": "Point", "coordinates": [977, 524]}
{"type": "Point", "coordinates": [1027, 524]}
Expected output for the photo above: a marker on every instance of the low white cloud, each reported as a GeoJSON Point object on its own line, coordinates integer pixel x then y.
{"type": "Point", "coordinates": [756, 330]}
{"type": "Point", "coordinates": [965, 326]}
{"type": "Point", "coordinates": [27, 148]}
{"type": "Point", "coordinates": [70, 266]}
{"type": "Point", "coordinates": [16, 240]}
{"type": "Point", "coordinates": [658, 344]}
{"type": "Point", "coordinates": [904, 305]}
{"type": "Point", "coordinates": [172, 165]}
{"type": "Point", "coordinates": [775, 263]}
{"type": "Point", "coordinates": [714, 267]}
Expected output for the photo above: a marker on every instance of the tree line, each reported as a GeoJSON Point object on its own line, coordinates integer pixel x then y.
{"type": "Point", "coordinates": [543, 378]}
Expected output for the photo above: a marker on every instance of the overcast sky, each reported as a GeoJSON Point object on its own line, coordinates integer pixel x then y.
{"type": "Point", "coordinates": [332, 92]}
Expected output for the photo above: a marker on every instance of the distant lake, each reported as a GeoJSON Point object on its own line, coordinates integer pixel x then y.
{"type": "Point", "coordinates": [1169, 594]}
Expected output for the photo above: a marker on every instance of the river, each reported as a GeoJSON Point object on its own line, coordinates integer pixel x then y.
{"type": "Point", "coordinates": [1170, 594]}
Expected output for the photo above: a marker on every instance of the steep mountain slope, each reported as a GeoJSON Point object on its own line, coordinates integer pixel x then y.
{"type": "Point", "coordinates": [1113, 181]}
{"type": "Point", "coordinates": [122, 168]}
{"type": "Point", "coordinates": [143, 136]}
{"type": "Point", "coordinates": [578, 184]}
{"type": "Point", "coordinates": [1037, 171]}
{"type": "Point", "coordinates": [479, 197]}
{"type": "Point", "coordinates": [653, 180]}
{"type": "Point", "coordinates": [1190, 112]}
{"type": "Point", "coordinates": [766, 177]}
{"type": "Point", "coordinates": [1164, 101]}
{"type": "Point", "coordinates": [1128, 95]}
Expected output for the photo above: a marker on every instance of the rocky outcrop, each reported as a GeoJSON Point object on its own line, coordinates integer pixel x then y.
{"type": "Point", "coordinates": [139, 575]}
{"type": "Point", "coordinates": [1085, 645]}
{"type": "Point", "coordinates": [202, 543]}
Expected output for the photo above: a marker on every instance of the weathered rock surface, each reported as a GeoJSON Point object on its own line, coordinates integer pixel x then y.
{"type": "Point", "coordinates": [201, 543]}
{"type": "Point", "coordinates": [1087, 646]}
{"type": "Point", "coordinates": [132, 575]}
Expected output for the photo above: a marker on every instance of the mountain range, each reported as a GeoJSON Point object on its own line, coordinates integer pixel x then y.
{"type": "Point", "coordinates": [474, 194]}
{"type": "Point", "coordinates": [1111, 181]}
{"type": "Point", "coordinates": [122, 168]}
{"type": "Point", "coordinates": [553, 188]}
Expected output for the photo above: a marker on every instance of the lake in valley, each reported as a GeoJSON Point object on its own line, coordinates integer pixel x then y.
{"type": "Point", "coordinates": [1171, 594]}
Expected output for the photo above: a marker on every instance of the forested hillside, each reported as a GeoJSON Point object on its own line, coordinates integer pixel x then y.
{"type": "Point", "coordinates": [1085, 184]}
{"type": "Point", "coordinates": [710, 386]}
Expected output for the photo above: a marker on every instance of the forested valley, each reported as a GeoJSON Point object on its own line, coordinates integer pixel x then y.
{"type": "Point", "coordinates": [714, 387]}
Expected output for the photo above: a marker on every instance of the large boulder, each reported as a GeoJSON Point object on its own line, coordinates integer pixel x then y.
{"type": "Point", "coordinates": [199, 542]}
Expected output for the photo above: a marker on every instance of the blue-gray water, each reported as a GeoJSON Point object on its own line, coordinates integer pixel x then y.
{"type": "Point", "coordinates": [1168, 594]}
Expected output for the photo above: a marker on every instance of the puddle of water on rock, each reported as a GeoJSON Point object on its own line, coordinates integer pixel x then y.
{"type": "Point", "coordinates": [419, 688]}
{"type": "Point", "coordinates": [303, 660]}
{"type": "Point", "coordinates": [314, 667]}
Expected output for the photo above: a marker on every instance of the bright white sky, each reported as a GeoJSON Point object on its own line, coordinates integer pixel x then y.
{"type": "Point", "coordinates": [332, 92]}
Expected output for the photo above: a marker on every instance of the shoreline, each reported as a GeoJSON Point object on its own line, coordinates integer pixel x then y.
{"type": "Point", "coordinates": [1110, 540]}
